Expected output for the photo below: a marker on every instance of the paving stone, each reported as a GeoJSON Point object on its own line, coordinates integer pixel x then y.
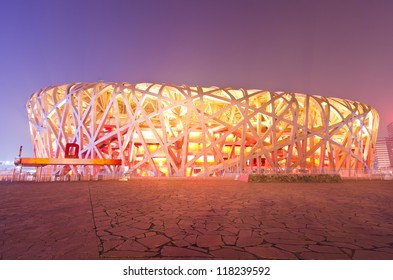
{"type": "Point", "coordinates": [103, 233]}
{"type": "Point", "coordinates": [270, 253]}
{"type": "Point", "coordinates": [191, 238]}
{"type": "Point", "coordinates": [386, 250]}
{"type": "Point", "coordinates": [349, 239]}
{"type": "Point", "coordinates": [150, 233]}
{"type": "Point", "coordinates": [158, 228]}
{"type": "Point", "coordinates": [369, 244]}
{"type": "Point", "coordinates": [129, 254]}
{"type": "Point", "coordinates": [229, 239]}
{"type": "Point", "coordinates": [198, 249]}
{"type": "Point", "coordinates": [180, 243]}
{"type": "Point", "coordinates": [199, 223]}
{"type": "Point", "coordinates": [127, 232]}
{"type": "Point", "coordinates": [349, 217]}
{"type": "Point", "coordinates": [380, 240]}
{"type": "Point", "coordinates": [315, 237]}
{"type": "Point", "coordinates": [324, 249]}
{"type": "Point", "coordinates": [285, 235]}
{"type": "Point", "coordinates": [245, 233]}
{"type": "Point", "coordinates": [275, 230]}
{"type": "Point", "coordinates": [141, 225]}
{"type": "Point", "coordinates": [323, 256]}
{"type": "Point", "coordinates": [292, 248]}
{"type": "Point", "coordinates": [193, 232]}
{"type": "Point", "coordinates": [189, 227]}
{"type": "Point", "coordinates": [131, 245]}
{"type": "Point", "coordinates": [271, 224]}
{"type": "Point", "coordinates": [213, 226]}
{"type": "Point", "coordinates": [110, 244]}
{"type": "Point", "coordinates": [248, 241]}
{"type": "Point", "coordinates": [158, 222]}
{"type": "Point", "coordinates": [371, 255]}
{"type": "Point", "coordinates": [209, 240]}
{"type": "Point", "coordinates": [170, 232]}
{"type": "Point", "coordinates": [170, 251]}
{"type": "Point", "coordinates": [231, 254]}
{"type": "Point", "coordinates": [231, 229]}
{"type": "Point", "coordinates": [310, 230]}
{"type": "Point", "coordinates": [71, 256]}
{"type": "Point", "coordinates": [111, 237]}
{"type": "Point", "coordinates": [222, 233]}
{"type": "Point", "coordinates": [288, 241]}
{"type": "Point", "coordinates": [179, 237]}
{"type": "Point", "coordinates": [209, 232]}
{"type": "Point", "coordinates": [295, 225]}
{"type": "Point", "coordinates": [341, 245]}
{"type": "Point", "coordinates": [154, 241]}
{"type": "Point", "coordinates": [347, 251]}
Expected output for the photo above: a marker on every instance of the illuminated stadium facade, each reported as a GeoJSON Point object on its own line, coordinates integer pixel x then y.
{"type": "Point", "coordinates": [159, 129]}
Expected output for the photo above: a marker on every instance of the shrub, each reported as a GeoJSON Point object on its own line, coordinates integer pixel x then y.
{"type": "Point", "coordinates": [294, 178]}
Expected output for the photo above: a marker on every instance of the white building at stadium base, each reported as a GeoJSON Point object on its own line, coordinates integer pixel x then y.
{"type": "Point", "coordinates": [160, 129]}
{"type": "Point", "coordinates": [384, 153]}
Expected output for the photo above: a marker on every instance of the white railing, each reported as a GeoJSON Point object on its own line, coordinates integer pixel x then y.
{"type": "Point", "coordinates": [16, 175]}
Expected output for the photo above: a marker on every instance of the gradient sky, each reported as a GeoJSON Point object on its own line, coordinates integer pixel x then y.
{"type": "Point", "coordinates": [334, 48]}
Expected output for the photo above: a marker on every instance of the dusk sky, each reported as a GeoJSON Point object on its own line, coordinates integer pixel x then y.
{"type": "Point", "coordinates": [335, 48]}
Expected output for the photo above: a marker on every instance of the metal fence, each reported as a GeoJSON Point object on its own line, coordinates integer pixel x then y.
{"type": "Point", "coordinates": [16, 175]}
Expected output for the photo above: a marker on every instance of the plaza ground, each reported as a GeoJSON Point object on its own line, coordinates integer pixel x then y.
{"type": "Point", "coordinates": [186, 218]}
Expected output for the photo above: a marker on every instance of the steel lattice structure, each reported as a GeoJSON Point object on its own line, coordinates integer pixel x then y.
{"type": "Point", "coordinates": [159, 129]}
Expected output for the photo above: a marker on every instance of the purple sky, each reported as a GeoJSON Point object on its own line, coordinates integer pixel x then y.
{"type": "Point", "coordinates": [335, 48]}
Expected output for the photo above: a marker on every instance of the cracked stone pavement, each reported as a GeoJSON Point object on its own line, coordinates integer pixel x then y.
{"type": "Point", "coordinates": [183, 218]}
